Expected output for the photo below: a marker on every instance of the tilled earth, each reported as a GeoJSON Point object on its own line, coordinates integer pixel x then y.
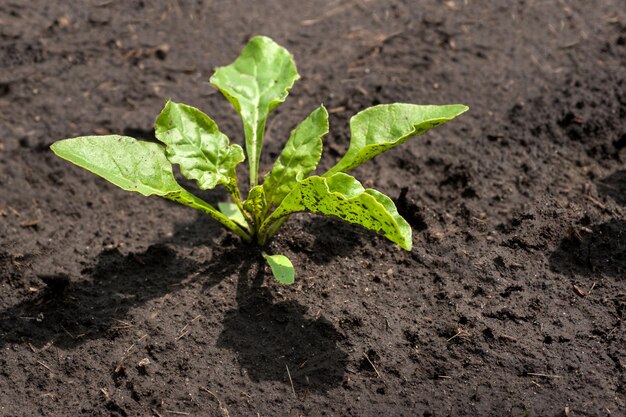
{"type": "Point", "coordinates": [511, 302]}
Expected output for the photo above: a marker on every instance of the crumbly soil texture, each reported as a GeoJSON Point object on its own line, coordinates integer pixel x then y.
{"type": "Point", "coordinates": [511, 303]}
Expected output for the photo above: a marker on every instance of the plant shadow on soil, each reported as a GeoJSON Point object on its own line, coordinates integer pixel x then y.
{"type": "Point", "coordinates": [601, 251]}
{"type": "Point", "coordinates": [614, 186]}
{"type": "Point", "coordinates": [275, 340]}
{"type": "Point", "coordinates": [267, 335]}
{"type": "Point", "coordinates": [599, 248]}
{"type": "Point", "coordinates": [69, 312]}
{"type": "Point", "coordinates": [327, 238]}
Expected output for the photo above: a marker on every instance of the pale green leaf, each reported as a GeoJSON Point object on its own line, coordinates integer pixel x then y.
{"type": "Point", "coordinates": [231, 211]}
{"type": "Point", "coordinates": [281, 267]}
{"type": "Point", "coordinates": [342, 196]}
{"type": "Point", "coordinates": [134, 166]}
{"type": "Point", "coordinates": [126, 162]}
{"type": "Point", "coordinates": [380, 128]}
{"type": "Point", "coordinates": [299, 156]}
{"type": "Point", "coordinates": [194, 142]}
{"type": "Point", "coordinates": [257, 82]}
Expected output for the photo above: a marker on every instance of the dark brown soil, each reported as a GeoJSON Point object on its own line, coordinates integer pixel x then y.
{"type": "Point", "coordinates": [511, 303]}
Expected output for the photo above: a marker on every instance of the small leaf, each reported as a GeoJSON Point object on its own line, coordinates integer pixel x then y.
{"type": "Point", "coordinates": [257, 82]}
{"type": "Point", "coordinates": [231, 211]}
{"type": "Point", "coordinates": [299, 156]}
{"type": "Point", "coordinates": [281, 267]}
{"type": "Point", "coordinates": [135, 166]}
{"type": "Point", "coordinates": [342, 196]}
{"type": "Point", "coordinates": [256, 204]}
{"type": "Point", "coordinates": [195, 143]}
{"type": "Point", "coordinates": [380, 128]}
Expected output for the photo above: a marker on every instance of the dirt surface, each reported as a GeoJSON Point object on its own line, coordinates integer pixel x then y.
{"type": "Point", "coordinates": [511, 302]}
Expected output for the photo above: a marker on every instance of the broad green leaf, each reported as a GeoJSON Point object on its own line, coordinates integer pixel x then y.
{"type": "Point", "coordinates": [134, 166]}
{"type": "Point", "coordinates": [342, 196]}
{"type": "Point", "coordinates": [231, 211]}
{"type": "Point", "coordinates": [194, 142]}
{"type": "Point", "coordinates": [299, 156]}
{"type": "Point", "coordinates": [380, 128]}
{"type": "Point", "coordinates": [257, 82]}
{"type": "Point", "coordinates": [126, 162]}
{"type": "Point", "coordinates": [256, 204]}
{"type": "Point", "coordinates": [281, 267]}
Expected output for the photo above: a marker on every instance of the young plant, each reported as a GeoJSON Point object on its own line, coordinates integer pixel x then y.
{"type": "Point", "coordinates": [257, 82]}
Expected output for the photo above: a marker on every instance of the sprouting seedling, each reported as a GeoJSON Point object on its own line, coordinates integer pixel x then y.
{"type": "Point", "coordinates": [257, 82]}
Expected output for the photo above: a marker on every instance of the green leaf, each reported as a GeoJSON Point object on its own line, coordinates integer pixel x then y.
{"type": "Point", "coordinates": [257, 82]}
{"type": "Point", "coordinates": [231, 211]}
{"type": "Point", "coordinates": [134, 166]}
{"type": "Point", "coordinates": [380, 128]}
{"type": "Point", "coordinates": [195, 143]}
{"type": "Point", "coordinates": [341, 195]}
{"type": "Point", "coordinates": [300, 156]}
{"type": "Point", "coordinates": [126, 162]}
{"type": "Point", "coordinates": [256, 204]}
{"type": "Point", "coordinates": [281, 267]}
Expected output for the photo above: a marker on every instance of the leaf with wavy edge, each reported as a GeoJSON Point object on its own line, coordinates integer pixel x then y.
{"type": "Point", "coordinates": [194, 142]}
{"type": "Point", "coordinates": [257, 82]}
{"type": "Point", "coordinates": [383, 127]}
{"type": "Point", "coordinates": [341, 195]}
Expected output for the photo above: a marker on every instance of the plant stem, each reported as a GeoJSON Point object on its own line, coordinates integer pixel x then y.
{"type": "Point", "coordinates": [192, 201]}
{"type": "Point", "coordinates": [253, 157]}
{"type": "Point", "coordinates": [235, 194]}
{"type": "Point", "coordinates": [269, 229]}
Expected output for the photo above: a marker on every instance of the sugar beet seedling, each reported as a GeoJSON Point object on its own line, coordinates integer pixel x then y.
{"type": "Point", "coordinates": [257, 82]}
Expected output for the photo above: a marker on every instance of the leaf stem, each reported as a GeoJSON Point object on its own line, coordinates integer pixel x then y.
{"type": "Point", "coordinates": [253, 158]}
{"type": "Point", "coordinates": [269, 228]}
{"type": "Point", "coordinates": [192, 201]}
{"type": "Point", "coordinates": [233, 190]}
